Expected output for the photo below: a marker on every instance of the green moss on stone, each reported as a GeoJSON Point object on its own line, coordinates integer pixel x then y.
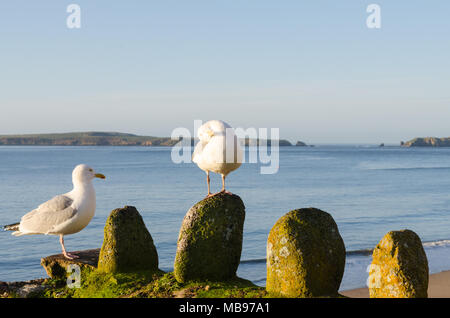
{"type": "Point", "coordinates": [233, 288]}
{"type": "Point", "coordinates": [127, 244]}
{"type": "Point", "coordinates": [151, 285]}
{"type": "Point", "coordinates": [112, 285]}
{"type": "Point", "coordinates": [57, 266]}
{"type": "Point", "coordinates": [305, 255]}
{"type": "Point", "coordinates": [210, 240]}
{"type": "Point", "coordinates": [399, 267]}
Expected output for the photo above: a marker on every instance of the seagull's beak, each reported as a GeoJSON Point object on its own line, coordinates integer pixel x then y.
{"type": "Point", "coordinates": [210, 133]}
{"type": "Point", "coordinates": [99, 175]}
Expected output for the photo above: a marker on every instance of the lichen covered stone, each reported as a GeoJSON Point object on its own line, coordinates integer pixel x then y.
{"type": "Point", "coordinates": [399, 267]}
{"type": "Point", "coordinates": [210, 240]}
{"type": "Point", "coordinates": [127, 244]}
{"type": "Point", "coordinates": [57, 266]}
{"type": "Point", "coordinates": [305, 255]}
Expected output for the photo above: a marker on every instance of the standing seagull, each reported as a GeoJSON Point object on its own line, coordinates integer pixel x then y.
{"type": "Point", "coordinates": [218, 151]}
{"type": "Point", "coordinates": [64, 214]}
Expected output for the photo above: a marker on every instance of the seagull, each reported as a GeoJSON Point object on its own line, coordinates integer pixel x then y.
{"type": "Point", "coordinates": [64, 214]}
{"type": "Point", "coordinates": [218, 151]}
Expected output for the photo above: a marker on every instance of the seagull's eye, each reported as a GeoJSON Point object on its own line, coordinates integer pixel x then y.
{"type": "Point", "coordinates": [91, 170]}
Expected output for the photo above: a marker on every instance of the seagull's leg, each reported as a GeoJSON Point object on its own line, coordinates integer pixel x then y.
{"type": "Point", "coordinates": [223, 183]}
{"type": "Point", "coordinates": [223, 186]}
{"type": "Point", "coordinates": [66, 255]}
{"type": "Point", "coordinates": [208, 181]}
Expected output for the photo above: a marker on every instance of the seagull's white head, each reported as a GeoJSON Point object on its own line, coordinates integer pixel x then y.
{"type": "Point", "coordinates": [212, 128]}
{"type": "Point", "coordinates": [83, 173]}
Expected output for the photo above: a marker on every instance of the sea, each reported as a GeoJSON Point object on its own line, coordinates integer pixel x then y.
{"type": "Point", "coordinates": [369, 191]}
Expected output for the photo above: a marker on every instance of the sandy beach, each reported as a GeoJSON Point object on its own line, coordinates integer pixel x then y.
{"type": "Point", "coordinates": [438, 287]}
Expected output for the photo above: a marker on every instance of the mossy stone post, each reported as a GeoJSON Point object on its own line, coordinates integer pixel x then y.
{"type": "Point", "coordinates": [210, 239]}
{"type": "Point", "coordinates": [305, 255]}
{"type": "Point", "coordinates": [399, 267]}
{"type": "Point", "coordinates": [127, 244]}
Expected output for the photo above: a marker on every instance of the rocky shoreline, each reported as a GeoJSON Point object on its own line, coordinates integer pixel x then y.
{"type": "Point", "coordinates": [103, 139]}
{"type": "Point", "coordinates": [427, 142]}
{"type": "Point", "coordinates": [305, 259]}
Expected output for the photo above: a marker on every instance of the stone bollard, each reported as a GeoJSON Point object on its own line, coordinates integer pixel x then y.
{"type": "Point", "coordinates": [305, 255]}
{"type": "Point", "coordinates": [399, 267]}
{"type": "Point", "coordinates": [210, 240]}
{"type": "Point", "coordinates": [127, 244]}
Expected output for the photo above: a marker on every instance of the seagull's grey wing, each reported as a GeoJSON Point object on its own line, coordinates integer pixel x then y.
{"type": "Point", "coordinates": [48, 215]}
{"type": "Point", "coordinates": [60, 202]}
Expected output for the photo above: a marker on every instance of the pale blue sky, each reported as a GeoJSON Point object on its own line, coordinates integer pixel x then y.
{"type": "Point", "coordinates": [311, 68]}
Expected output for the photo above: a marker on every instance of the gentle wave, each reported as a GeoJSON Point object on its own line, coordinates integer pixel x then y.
{"type": "Point", "coordinates": [406, 168]}
{"type": "Point", "coordinates": [362, 252]}
{"type": "Point", "coordinates": [349, 253]}
{"type": "Point", "coordinates": [259, 281]}
{"type": "Point", "coordinates": [437, 243]}
{"type": "Point", "coordinates": [254, 261]}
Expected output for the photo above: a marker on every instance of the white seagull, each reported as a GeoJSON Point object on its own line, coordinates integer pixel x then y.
{"type": "Point", "coordinates": [218, 151]}
{"type": "Point", "coordinates": [64, 214]}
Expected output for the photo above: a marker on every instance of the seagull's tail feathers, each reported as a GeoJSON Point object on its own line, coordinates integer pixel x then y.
{"type": "Point", "coordinates": [11, 227]}
{"type": "Point", "coordinates": [14, 227]}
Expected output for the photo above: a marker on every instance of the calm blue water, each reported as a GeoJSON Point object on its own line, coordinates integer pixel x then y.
{"type": "Point", "coordinates": [368, 190]}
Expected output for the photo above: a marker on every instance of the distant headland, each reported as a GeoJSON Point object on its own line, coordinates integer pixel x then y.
{"type": "Point", "coordinates": [101, 139]}
{"type": "Point", "coordinates": [427, 142]}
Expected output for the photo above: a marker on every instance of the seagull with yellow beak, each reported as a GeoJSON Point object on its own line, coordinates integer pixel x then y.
{"type": "Point", "coordinates": [218, 150]}
{"type": "Point", "coordinates": [64, 214]}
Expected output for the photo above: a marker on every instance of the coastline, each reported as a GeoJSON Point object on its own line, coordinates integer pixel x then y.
{"type": "Point", "coordinates": [438, 287]}
{"type": "Point", "coordinates": [114, 139]}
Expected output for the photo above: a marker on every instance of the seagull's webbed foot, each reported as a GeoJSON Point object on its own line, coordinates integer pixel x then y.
{"type": "Point", "coordinates": [223, 187]}
{"type": "Point", "coordinates": [217, 193]}
{"type": "Point", "coordinates": [70, 256]}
